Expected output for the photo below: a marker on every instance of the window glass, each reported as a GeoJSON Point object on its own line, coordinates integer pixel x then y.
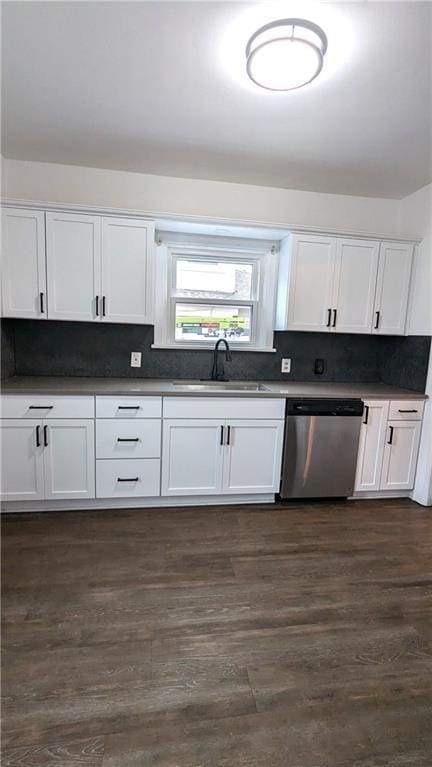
{"type": "Point", "coordinates": [201, 322]}
{"type": "Point", "coordinates": [209, 278]}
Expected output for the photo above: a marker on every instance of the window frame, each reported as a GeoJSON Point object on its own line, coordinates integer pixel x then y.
{"type": "Point", "coordinates": [264, 259]}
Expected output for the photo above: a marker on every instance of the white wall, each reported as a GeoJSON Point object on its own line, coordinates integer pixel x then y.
{"type": "Point", "coordinates": [160, 195]}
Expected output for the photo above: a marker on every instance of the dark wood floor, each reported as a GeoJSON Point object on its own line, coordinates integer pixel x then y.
{"type": "Point", "coordinates": [287, 636]}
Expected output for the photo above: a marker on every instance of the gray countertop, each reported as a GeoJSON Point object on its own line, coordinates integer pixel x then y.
{"type": "Point", "coordinates": [146, 387]}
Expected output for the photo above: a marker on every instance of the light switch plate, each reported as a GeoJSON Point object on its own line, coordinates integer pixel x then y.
{"type": "Point", "coordinates": [135, 359]}
{"type": "Point", "coordinates": [286, 365]}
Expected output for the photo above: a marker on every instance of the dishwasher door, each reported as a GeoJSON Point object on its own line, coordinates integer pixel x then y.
{"type": "Point", "coordinates": [320, 449]}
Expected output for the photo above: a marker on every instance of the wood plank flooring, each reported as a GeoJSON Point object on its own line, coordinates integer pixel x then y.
{"type": "Point", "coordinates": [295, 635]}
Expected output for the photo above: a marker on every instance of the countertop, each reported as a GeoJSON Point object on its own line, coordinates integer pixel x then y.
{"type": "Point", "coordinates": [147, 387]}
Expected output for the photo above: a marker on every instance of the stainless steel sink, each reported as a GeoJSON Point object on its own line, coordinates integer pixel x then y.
{"type": "Point", "coordinates": [219, 386]}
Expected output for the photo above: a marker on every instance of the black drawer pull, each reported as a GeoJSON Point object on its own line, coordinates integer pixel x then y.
{"type": "Point", "coordinates": [38, 442]}
{"type": "Point", "coordinates": [127, 479]}
{"type": "Point", "coordinates": [407, 411]}
{"type": "Point", "coordinates": [41, 298]}
{"type": "Point", "coordinates": [97, 306]}
{"type": "Point", "coordinates": [329, 318]}
{"type": "Point", "coordinates": [228, 435]}
{"type": "Point", "coordinates": [103, 306]}
{"type": "Point", "coordinates": [129, 407]}
{"type": "Point", "coordinates": [45, 431]}
{"type": "Point", "coordinates": [366, 418]}
{"type": "Point", "coordinates": [41, 407]}
{"type": "Point", "coordinates": [377, 321]}
{"type": "Point", "coordinates": [390, 441]}
{"type": "Point", "coordinates": [128, 439]}
{"type": "Point", "coordinates": [334, 318]}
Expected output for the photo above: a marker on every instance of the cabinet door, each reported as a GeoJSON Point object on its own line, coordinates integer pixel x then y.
{"type": "Point", "coordinates": [371, 446]}
{"type": "Point", "coordinates": [69, 458]}
{"type": "Point", "coordinates": [192, 456]}
{"type": "Point", "coordinates": [126, 270]}
{"type": "Point", "coordinates": [400, 455]}
{"type": "Point", "coordinates": [21, 460]}
{"type": "Point", "coordinates": [391, 301]}
{"type": "Point", "coordinates": [354, 285]}
{"type": "Point", "coordinates": [253, 455]}
{"type": "Point", "coordinates": [23, 272]}
{"type": "Point", "coordinates": [311, 281]}
{"type": "Point", "coordinates": [73, 266]}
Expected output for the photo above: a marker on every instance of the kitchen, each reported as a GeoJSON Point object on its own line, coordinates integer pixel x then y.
{"type": "Point", "coordinates": [213, 379]}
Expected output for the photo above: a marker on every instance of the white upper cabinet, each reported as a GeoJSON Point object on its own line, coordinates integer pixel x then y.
{"type": "Point", "coordinates": [126, 270]}
{"type": "Point", "coordinates": [23, 264]}
{"type": "Point", "coordinates": [73, 266]}
{"type": "Point", "coordinates": [391, 299]}
{"type": "Point", "coordinates": [355, 277]}
{"type": "Point", "coordinates": [310, 283]}
{"type": "Point", "coordinates": [340, 285]}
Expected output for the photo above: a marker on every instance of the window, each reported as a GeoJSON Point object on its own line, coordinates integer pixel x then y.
{"type": "Point", "coordinates": [206, 293]}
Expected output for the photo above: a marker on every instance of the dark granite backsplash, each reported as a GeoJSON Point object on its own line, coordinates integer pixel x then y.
{"type": "Point", "coordinates": [89, 349]}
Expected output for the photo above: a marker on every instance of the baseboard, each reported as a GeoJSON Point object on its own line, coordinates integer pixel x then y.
{"type": "Point", "coordinates": [381, 494]}
{"type": "Point", "coordinates": [135, 503]}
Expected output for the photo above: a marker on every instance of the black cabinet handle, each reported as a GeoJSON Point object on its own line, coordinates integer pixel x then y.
{"type": "Point", "coordinates": [41, 407]}
{"type": "Point", "coordinates": [38, 436]}
{"type": "Point", "coordinates": [97, 306]}
{"type": "Point", "coordinates": [127, 479]}
{"type": "Point", "coordinates": [377, 320]}
{"type": "Point", "coordinates": [221, 435]}
{"type": "Point", "coordinates": [41, 299]}
{"type": "Point", "coordinates": [407, 411]}
{"type": "Point", "coordinates": [390, 441]}
{"type": "Point", "coordinates": [129, 407]}
{"type": "Point", "coordinates": [127, 439]}
{"type": "Point", "coordinates": [228, 435]}
{"type": "Point", "coordinates": [329, 318]}
{"type": "Point", "coordinates": [366, 418]}
{"type": "Point", "coordinates": [334, 318]}
{"type": "Point", "coordinates": [45, 431]}
{"type": "Point", "coordinates": [103, 306]}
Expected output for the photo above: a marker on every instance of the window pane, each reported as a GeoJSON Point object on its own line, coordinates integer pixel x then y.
{"type": "Point", "coordinates": [214, 279]}
{"type": "Point", "coordinates": [204, 322]}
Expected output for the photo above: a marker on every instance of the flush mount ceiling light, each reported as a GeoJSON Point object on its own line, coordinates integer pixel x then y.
{"type": "Point", "coordinates": [286, 54]}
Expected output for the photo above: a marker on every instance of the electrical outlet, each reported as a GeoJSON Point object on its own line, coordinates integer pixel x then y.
{"type": "Point", "coordinates": [135, 359]}
{"type": "Point", "coordinates": [286, 366]}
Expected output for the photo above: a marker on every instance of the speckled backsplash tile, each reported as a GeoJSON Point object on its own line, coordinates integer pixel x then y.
{"type": "Point", "coordinates": [90, 349]}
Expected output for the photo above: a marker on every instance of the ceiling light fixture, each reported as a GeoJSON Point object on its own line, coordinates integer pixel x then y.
{"type": "Point", "coordinates": [286, 54]}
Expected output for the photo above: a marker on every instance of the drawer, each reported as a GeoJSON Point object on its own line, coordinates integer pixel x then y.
{"type": "Point", "coordinates": [128, 407]}
{"type": "Point", "coordinates": [43, 406]}
{"type": "Point", "coordinates": [133, 477]}
{"type": "Point", "coordinates": [223, 407]}
{"type": "Point", "coordinates": [406, 410]}
{"type": "Point", "coordinates": [128, 438]}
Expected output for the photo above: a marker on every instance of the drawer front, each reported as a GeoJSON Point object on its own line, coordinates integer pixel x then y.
{"type": "Point", "coordinates": [128, 407]}
{"type": "Point", "coordinates": [128, 438]}
{"type": "Point", "coordinates": [406, 410]}
{"type": "Point", "coordinates": [43, 406]}
{"type": "Point", "coordinates": [132, 477]}
{"type": "Point", "coordinates": [223, 407]}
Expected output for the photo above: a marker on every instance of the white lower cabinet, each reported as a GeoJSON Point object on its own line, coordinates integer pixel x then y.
{"type": "Point", "coordinates": [400, 455]}
{"type": "Point", "coordinates": [22, 473]}
{"type": "Point", "coordinates": [130, 477]}
{"type": "Point", "coordinates": [52, 459]}
{"type": "Point", "coordinates": [214, 457]}
{"type": "Point", "coordinates": [389, 444]}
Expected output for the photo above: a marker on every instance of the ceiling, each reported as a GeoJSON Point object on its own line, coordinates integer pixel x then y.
{"type": "Point", "coordinates": [159, 87]}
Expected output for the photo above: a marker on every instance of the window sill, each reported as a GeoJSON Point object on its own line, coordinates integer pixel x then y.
{"type": "Point", "coordinates": [210, 347]}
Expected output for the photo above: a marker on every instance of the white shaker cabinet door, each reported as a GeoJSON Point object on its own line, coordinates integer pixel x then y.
{"type": "Point", "coordinates": [400, 455]}
{"type": "Point", "coordinates": [73, 266]}
{"type": "Point", "coordinates": [371, 445]}
{"type": "Point", "coordinates": [192, 456]}
{"type": "Point", "coordinates": [69, 458]}
{"type": "Point", "coordinates": [21, 460]}
{"type": "Point", "coordinates": [253, 455]}
{"type": "Point", "coordinates": [391, 301]}
{"type": "Point", "coordinates": [126, 270]}
{"type": "Point", "coordinates": [311, 281]}
{"type": "Point", "coordinates": [23, 264]}
{"type": "Point", "coordinates": [354, 285]}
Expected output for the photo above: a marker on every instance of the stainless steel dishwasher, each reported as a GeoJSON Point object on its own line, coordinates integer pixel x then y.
{"type": "Point", "coordinates": [320, 447]}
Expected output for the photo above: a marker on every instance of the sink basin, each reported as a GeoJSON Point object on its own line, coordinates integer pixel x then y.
{"type": "Point", "coordinates": [219, 386]}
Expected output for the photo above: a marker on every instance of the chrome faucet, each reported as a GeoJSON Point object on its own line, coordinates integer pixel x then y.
{"type": "Point", "coordinates": [218, 372]}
